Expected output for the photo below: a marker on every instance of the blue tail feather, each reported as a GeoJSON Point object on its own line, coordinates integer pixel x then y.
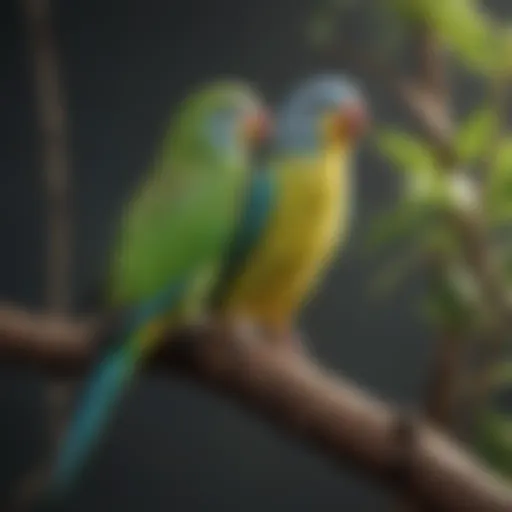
{"type": "Point", "coordinates": [104, 389]}
{"type": "Point", "coordinates": [107, 384]}
{"type": "Point", "coordinates": [96, 409]}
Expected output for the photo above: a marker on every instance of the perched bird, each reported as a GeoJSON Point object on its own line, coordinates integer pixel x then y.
{"type": "Point", "coordinates": [172, 237]}
{"type": "Point", "coordinates": [298, 208]}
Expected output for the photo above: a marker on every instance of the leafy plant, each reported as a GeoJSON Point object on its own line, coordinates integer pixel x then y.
{"type": "Point", "coordinates": [422, 231]}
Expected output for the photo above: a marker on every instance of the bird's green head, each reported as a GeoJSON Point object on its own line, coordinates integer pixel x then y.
{"type": "Point", "coordinates": [324, 110]}
{"type": "Point", "coordinates": [223, 117]}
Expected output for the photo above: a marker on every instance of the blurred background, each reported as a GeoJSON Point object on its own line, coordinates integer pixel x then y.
{"type": "Point", "coordinates": [124, 65]}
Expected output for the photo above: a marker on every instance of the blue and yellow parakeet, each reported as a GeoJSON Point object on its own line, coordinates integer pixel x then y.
{"type": "Point", "coordinates": [298, 209]}
{"type": "Point", "coordinates": [172, 238]}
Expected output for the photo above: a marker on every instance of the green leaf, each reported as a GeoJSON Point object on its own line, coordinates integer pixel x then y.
{"type": "Point", "coordinates": [405, 151]}
{"type": "Point", "coordinates": [466, 29]}
{"type": "Point", "coordinates": [426, 189]}
{"type": "Point", "coordinates": [498, 199]}
{"type": "Point", "coordinates": [476, 134]}
{"type": "Point", "coordinates": [502, 164]}
{"type": "Point", "coordinates": [440, 192]}
{"type": "Point", "coordinates": [463, 27]}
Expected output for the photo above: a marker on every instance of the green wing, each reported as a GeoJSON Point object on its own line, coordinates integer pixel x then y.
{"type": "Point", "coordinates": [173, 234]}
{"type": "Point", "coordinates": [180, 219]}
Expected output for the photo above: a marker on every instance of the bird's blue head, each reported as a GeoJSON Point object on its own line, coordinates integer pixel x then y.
{"type": "Point", "coordinates": [325, 110]}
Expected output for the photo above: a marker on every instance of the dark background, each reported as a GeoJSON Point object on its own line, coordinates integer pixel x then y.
{"type": "Point", "coordinates": [173, 447]}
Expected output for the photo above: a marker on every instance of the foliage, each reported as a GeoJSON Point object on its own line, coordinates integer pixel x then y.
{"type": "Point", "coordinates": [453, 297]}
{"type": "Point", "coordinates": [498, 198]}
{"type": "Point", "coordinates": [418, 232]}
{"type": "Point", "coordinates": [465, 28]}
{"type": "Point", "coordinates": [429, 197]}
{"type": "Point", "coordinates": [475, 134]}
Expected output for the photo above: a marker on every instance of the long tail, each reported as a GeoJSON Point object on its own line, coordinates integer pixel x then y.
{"type": "Point", "coordinates": [95, 410]}
{"type": "Point", "coordinates": [104, 390]}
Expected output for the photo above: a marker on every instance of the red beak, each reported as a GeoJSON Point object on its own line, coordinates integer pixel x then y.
{"type": "Point", "coordinates": [355, 119]}
{"type": "Point", "coordinates": [258, 127]}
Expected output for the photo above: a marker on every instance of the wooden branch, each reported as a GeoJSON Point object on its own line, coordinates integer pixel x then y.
{"type": "Point", "coordinates": [54, 345]}
{"type": "Point", "coordinates": [295, 393]}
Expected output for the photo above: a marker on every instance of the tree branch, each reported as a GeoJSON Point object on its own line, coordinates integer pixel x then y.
{"type": "Point", "coordinates": [295, 393]}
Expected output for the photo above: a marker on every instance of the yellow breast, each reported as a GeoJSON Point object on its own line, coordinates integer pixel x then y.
{"type": "Point", "coordinates": [307, 225]}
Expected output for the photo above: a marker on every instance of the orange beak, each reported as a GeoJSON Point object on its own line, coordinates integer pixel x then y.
{"type": "Point", "coordinates": [354, 120]}
{"type": "Point", "coordinates": [258, 127]}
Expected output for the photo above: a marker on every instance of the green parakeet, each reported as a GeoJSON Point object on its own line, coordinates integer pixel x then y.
{"type": "Point", "coordinates": [171, 242]}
